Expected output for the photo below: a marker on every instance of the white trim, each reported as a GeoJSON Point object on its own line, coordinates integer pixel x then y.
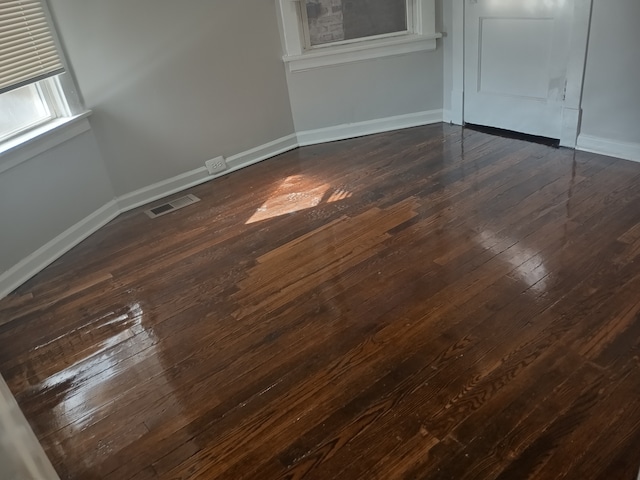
{"type": "Point", "coordinates": [575, 73]}
{"type": "Point", "coordinates": [575, 69]}
{"type": "Point", "coordinates": [68, 239]}
{"type": "Point", "coordinates": [51, 251]}
{"type": "Point", "coordinates": [290, 27]}
{"type": "Point", "coordinates": [201, 175]}
{"type": "Point", "coordinates": [162, 189]}
{"type": "Point", "coordinates": [423, 37]}
{"type": "Point", "coordinates": [457, 62]}
{"type": "Point", "coordinates": [362, 51]}
{"type": "Point", "coordinates": [263, 152]}
{"type": "Point", "coordinates": [20, 443]}
{"type": "Point", "coordinates": [570, 124]}
{"type": "Point", "coordinates": [54, 249]}
{"type": "Point", "coordinates": [369, 127]}
{"type": "Point", "coordinates": [611, 148]}
{"type": "Point", "coordinates": [34, 142]}
{"type": "Point", "coordinates": [411, 27]}
{"type": "Point", "coordinates": [457, 106]}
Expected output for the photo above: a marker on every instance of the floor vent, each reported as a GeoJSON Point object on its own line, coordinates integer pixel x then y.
{"type": "Point", "coordinates": [172, 206]}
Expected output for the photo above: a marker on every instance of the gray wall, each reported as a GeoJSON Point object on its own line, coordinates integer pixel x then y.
{"type": "Point", "coordinates": [172, 85]}
{"type": "Point", "coordinates": [366, 90]}
{"type": "Point", "coordinates": [369, 89]}
{"type": "Point", "coordinates": [44, 196]}
{"type": "Point", "coordinates": [611, 97]}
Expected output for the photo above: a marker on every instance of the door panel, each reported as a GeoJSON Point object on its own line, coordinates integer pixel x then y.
{"type": "Point", "coordinates": [516, 57]}
{"type": "Point", "coordinates": [501, 72]}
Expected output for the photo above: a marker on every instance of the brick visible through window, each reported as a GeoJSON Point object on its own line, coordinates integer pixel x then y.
{"type": "Point", "coordinates": [337, 20]}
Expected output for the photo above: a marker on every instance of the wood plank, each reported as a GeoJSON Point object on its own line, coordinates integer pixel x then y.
{"type": "Point", "coordinates": [428, 303]}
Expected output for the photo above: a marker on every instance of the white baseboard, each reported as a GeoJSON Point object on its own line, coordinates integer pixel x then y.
{"type": "Point", "coordinates": [611, 148]}
{"type": "Point", "coordinates": [457, 107]}
{"type": "Point", "coordinates": [369, 127]}
{"type": "Point", "coordinates": [54, 249]}
{"type": "Point", "coordinates": [51, 251]}
{"type": "Point", "coordinates": [200, 175]}
{"type": "Point", "coordinates": [163, 189]}
{"type": "Point", "coordinates": [263, 152]}
{"type": "Point", "coordinates": [570, 127]}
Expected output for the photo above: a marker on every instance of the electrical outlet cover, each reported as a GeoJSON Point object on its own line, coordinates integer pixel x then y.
{"type": "Point", "coordinates": [216, 165]}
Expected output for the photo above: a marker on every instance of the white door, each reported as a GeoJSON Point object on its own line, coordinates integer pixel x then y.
{"type": "Point", "coordinates": [518, 62]}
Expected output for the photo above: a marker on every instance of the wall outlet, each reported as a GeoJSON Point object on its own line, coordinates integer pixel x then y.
{"type": "Point", "coordinates": [216, 165]}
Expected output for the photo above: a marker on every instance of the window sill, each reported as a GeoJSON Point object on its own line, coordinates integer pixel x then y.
{"type": "Point", "coordinates": [34, 142]}
{"type": "Point", "coordinates": [324, 57]}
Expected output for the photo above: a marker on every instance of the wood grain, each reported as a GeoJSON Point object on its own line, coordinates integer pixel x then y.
{"type": "Point", "coordinates": [431, 303]}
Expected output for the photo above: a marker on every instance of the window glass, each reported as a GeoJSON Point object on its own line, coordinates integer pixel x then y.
{"type": "Point", "coordinates": [330, 21]}
{"type": "Point", "coordinates": [21, 109]}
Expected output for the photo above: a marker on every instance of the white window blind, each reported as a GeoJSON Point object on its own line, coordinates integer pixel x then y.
{"type": "Point", "coordinates": [28, 51]}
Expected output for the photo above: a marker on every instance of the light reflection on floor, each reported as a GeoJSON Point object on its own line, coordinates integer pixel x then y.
{"type": "Point", "coordinates": [297, 193]}
{"type": "Point", "coordinates": [528, 265]}
{"type": "Point", "coordinates": [89, 381]}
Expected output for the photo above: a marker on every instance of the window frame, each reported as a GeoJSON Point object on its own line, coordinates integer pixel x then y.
{"type": "Point", "coordinates": [420, 36]}
{"type": "Point", "coordinates": [306, 34]}
{"type": "Point", "coordinates": [63, 101]}
{"type": "Point", "coordinates": [53, 98]}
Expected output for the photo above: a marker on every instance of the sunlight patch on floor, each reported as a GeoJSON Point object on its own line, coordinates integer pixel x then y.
{"type": "Point", "coordinates": [297, 193]}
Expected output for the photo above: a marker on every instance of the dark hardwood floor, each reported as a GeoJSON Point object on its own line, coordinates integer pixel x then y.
{"type": "Point", "coordinates": [429, 303]}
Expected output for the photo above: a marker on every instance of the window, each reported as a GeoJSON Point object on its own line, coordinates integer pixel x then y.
{"type": "Point", "coordinates": [31, 93]}
{"type": "Point", "coordinates": [341, 21]}
{"type": "Point", "coordinates": [326, 32]}
{"type": "Point", "coordinates": [29, 106]}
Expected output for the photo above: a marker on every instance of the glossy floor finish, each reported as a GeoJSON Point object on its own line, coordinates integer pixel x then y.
{"type": "Point", "coordinates": [429, 303]}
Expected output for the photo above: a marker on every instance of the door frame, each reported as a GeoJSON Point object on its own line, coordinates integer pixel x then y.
{"type": "Point", "coordinates": [571, 112]}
